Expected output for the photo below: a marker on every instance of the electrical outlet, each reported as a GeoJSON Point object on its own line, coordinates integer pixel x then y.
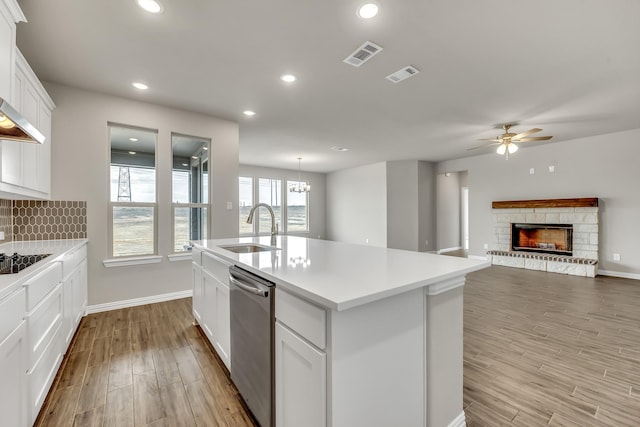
{"type": "Point", "coordinates": [366, 240]}
{"type": "Point", "coordinates": [426, 242]}
{"type": "Point", "coordinates": [616, 257]}
{"type": "Point", "coordinates": [229, 206]}
{"type": "Point", "coordinates": [552, 169]}
{"type": "Point", "coordinates": [532, 171]}
{"type": "Point", "coordinates": [486, 246]}
{"type": "Point", "coordinates": [1, 235]}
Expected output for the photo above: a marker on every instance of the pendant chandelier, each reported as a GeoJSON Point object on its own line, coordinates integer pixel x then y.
{"type": "Point", "coordinates": [299, 187]}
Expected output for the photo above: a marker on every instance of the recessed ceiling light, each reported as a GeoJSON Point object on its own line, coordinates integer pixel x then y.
{"type": "Point", "coordinates": [368, 10]}
{"type": "Point", "coordinates": [249, 113]}
{"type": "Point", "coordinates": [140, 86]}
{"type": "Point", "coordinates": [288, 78]}
{"type": "Point", "coordinates": [132, 152]}
{"type": "Point", "coordinates": [152, 6]}
{"type": "Point", "coordinates": [194, 157]}
{"type": "Point", "coordinates": [336, 148]}
{"type": "Point", "coordinates": [133, 139]}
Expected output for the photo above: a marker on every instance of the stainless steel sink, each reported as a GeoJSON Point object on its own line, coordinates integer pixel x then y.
{"type": "Point", "coordinates": [247, 248]}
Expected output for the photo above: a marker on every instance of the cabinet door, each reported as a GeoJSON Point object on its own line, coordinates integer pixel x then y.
{"type": "Point", "coordinates": [209, 305]}
{"type": "Point", "coordinates": [13, 390]}
{"type": "Point", "coordinates": [301, 391]}
{"type": "Point", "coordinates": [30, 107]}
{"type": "Point", "coordinates": [43, 156]}
{"type": "Point", "coordinates": [197, 299]}
{"type": "Point", "coordinates": [67, 320]}
{"type": "Point", "coordinates": [223, 324]}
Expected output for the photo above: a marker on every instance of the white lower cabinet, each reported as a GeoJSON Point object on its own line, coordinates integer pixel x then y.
{"type": "Point", "coordinates": [301, 382]}
{"type": "Point", "coordinates": [13, 360]}
{"type": "Point", "coordinates": [211, 305]}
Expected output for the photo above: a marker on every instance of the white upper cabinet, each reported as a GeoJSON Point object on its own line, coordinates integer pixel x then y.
{"type": "Point", "coordinates": [25, 169]}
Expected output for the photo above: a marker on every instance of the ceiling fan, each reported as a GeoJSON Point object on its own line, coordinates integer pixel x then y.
{"type": "Point", "coordinates": [506, 141]}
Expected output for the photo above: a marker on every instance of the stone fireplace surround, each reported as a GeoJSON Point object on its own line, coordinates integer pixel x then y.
{"type": "Point", "coordinates": [581, 213]}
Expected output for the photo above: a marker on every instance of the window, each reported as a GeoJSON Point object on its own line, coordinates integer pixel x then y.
{"type": "Point", "coordinates": [190, 189]}
{"type": "Point", "coordinates": [132, 207]}
{"type": "Point", "coordinates": [270, 191]}
{"type": "Point", "coordinates": [297, 213]}
{"type": "Point", "coordinates": [245, 184]}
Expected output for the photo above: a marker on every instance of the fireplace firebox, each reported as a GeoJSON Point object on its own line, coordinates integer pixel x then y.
{"type": "Point", "coordinates": [544, 238]}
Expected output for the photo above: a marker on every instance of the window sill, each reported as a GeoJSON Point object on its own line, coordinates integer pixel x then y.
{"type": "Point", "coordinates": [123, 262]}
{"type": "Point", "coordinates": [180, 257]}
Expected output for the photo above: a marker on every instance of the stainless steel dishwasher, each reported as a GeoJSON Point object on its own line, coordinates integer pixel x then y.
{"type": "Point", "coordinates": [252, 342]}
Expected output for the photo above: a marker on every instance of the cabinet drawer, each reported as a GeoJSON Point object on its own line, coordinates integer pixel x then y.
{"type": "Point", "coordinates": [43, 322]}
{"type": "Point", "coordinates": [303, 317]}
{"type": "Point", "coordinates": [216, 267]}
{"type": "Point", "coordinates": [42, 284]}
{"type": "Point", "coordinates": [73, 259]}
{"type": "Point", "coordinates": [11, 312]}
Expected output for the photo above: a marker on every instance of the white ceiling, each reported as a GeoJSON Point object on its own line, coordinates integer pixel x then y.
{"type": "Point", "coordinates": [570, 67]}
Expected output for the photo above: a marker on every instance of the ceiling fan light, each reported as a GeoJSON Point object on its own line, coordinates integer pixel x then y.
{"type": "Point", "coordinates": [502, 148]}
{"type": "Point", "coordinates": [512, 148]}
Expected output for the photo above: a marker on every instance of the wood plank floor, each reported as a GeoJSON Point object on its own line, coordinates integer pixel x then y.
{"type": "Point", "coordinates": [142, 366]}
{"type": "Point", "coordinates": [539, 349]}
{"type": "Point", "coordinates": [549, 349]}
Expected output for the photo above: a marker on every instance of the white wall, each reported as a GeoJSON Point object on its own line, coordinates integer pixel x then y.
{"type": "Point", "coordinates": [603, 166]}
{"type": "Point", "coordinates": [80, 171]}
{"type": "Point", "coordinates": [427, 206]}
{"type": "Point", "coordinates": [317, 195]}
{"type": "Point", "coordinates": [357, 205]}
{"type": "Point", "coordinates": [403, 198]}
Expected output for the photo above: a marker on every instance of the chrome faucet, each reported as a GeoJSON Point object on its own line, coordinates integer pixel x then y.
{"type": "Point", "coordinates": [274, 226]}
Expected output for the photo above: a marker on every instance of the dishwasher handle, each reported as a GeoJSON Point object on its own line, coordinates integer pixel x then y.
{"type": "Point", "coordinates": [248, 287]}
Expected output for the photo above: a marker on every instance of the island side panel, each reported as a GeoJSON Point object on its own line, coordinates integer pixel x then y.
{"type": "Point", "coordinates": [444, 319]}
{"type": "Point", "coordinates": [376, 372]}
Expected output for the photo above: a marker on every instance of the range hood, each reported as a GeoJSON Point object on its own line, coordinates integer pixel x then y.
{"type": "Point", "coordinates": [14, 127]}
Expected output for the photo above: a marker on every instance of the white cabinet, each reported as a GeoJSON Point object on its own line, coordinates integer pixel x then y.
{"type": "Point", "coordinates": [300, 363]}
{"type": "Point", "coordinates": [10, 14]}
{"type": "Point", "coordinates": [75, 291]}
{"type": "Point", "coordinates": [13, 358]}
{"type": "Point", "coordinates": [26, 168]}
{"type": "Point", "coordinates": [196, 284]}
{"type": "Point", "coordinates": [301, 384]}
{"type": "Point", "coordinates": [45, 311]}
{"type": "Point", "coordinates": [211, 305]}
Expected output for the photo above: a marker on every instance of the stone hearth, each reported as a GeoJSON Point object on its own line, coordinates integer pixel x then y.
{"type": "Point", "coordinates": [582, 214]}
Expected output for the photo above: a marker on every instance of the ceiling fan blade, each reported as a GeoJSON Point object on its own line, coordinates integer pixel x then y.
{"type": "Point", "coordinates": [487, 139]}
{"type": "Point", "coordinates": [484, 146]}
{"type": "Point", "coordinates": [526, 132]}
{"type": "Point", "coordinates": [534, 138]}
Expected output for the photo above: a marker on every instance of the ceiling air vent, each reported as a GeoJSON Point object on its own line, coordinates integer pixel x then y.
{"type": "Point", "coordinates": [362, 54]}
{"type": "Point", "coordinates": [403, 74]}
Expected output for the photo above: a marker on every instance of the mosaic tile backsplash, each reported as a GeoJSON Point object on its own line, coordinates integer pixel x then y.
{"type": "Point", "coordinates": [46, 220]}
{"type": "Point", "coordinates": [6, 224]}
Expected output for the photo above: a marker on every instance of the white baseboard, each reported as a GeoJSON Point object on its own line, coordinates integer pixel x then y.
{"type": "Point", "coordinates": [138, 301]}
{"type": "Point", "coordinates": [459, 421]}
{"type": "Point", "coordinates": [480, 257]}
{"type": "Point", "coordinates": [455, 248]}
{"type": "Point", "coordinates": [619, 274]}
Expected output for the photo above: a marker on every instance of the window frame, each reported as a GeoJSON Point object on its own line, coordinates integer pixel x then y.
{"type": "Point", "coordinates": [283, 227]}
{"type": "Point", "coordinates": [178, 205]}
{"type": "Point", "coordinates": [111, 204]}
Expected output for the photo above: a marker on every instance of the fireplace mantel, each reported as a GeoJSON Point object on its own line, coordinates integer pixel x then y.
{"type": "Point", "coordinates": [586, 202]}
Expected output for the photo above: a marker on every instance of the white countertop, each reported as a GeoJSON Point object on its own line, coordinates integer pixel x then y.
{"type": "Point", "coordinates": [340, 276]}
{"type": "Point", "coordinates": [57, 248]}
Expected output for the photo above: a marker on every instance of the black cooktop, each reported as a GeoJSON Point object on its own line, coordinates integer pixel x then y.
{"type": "Point", "coordinates": [10, 264]}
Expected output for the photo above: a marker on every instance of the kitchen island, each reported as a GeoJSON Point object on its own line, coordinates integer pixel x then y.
{"type": "Point", "coordinates": [364, 335]}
